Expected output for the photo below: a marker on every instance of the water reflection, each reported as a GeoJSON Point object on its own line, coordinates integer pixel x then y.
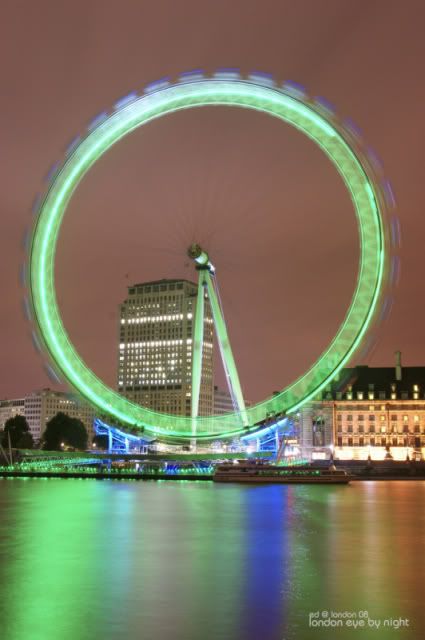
{"type": "Point", "coordinates": [81, 559]}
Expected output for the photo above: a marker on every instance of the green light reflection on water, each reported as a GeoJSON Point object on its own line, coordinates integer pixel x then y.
{"type": "Point", "coordinates": [86, 559]}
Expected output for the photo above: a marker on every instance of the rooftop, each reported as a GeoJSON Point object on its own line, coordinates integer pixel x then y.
{"type": "Point", "coordinates": [381, 380]}
{"type": "Point", "coordinates": [165, 281]}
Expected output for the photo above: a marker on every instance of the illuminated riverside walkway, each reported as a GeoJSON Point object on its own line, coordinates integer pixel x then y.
{"type": "Point", "coordinates": [52, 464]}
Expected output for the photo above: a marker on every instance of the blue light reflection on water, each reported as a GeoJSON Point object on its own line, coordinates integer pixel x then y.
{"type": "Point", "coordinates": [82, 559]}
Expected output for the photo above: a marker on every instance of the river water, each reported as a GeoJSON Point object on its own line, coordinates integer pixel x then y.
{"type": "Point", "coordinates": [111, 560]}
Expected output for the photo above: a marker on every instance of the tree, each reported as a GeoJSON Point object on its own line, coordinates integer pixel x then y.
{"type": "Point", "coordinates": [20, 435]}
{"type": "Point", "coordinates": [26, 441]}
{"type": "Point", "coordinates": [66, 431]}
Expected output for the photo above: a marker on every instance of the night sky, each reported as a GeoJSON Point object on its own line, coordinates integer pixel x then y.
{"type": "Point", "coordinates": [267, 204]}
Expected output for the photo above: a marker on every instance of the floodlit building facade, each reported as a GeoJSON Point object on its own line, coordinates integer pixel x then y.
{"type": "Point", "coordinates": [155, 347]}
{"type": "Point", "coordinates": [39, 407]}
{"type": "Point", "coordinates": [370, 411]}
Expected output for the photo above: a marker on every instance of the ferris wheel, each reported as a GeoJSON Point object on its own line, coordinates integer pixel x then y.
{"type": "Point", "coordinates": [378, 235]}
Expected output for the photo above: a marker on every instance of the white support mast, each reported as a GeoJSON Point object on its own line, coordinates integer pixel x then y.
{"type": "Point", "coordinates": [206, 283]}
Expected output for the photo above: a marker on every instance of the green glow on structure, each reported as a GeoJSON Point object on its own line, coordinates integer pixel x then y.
{"type": "Point", "coordinates": [198, 339]}
{"type": "Point", "coordinates": [237, 93]}
{"type": "Point", "coordinates": [226, 349]}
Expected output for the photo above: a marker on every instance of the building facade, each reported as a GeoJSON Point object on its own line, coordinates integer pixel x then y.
{"type": "Point", "coordinates": [39, 407]}
{"type": "Point", "coordinates": [370, 412]}
{"type": "Point", "coordinates": [222, 402]}
{"type": "Point", "coordinates": [155, 347]}
{"type": "Point", "coordinates": [11, 408]}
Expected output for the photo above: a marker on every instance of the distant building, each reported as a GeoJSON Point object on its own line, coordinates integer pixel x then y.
{"type": "Point", "coordinates": [222, 402]}
{"type": "Point", "coordinates": [39, 407]}
{"type": "Point", "coordinates": [11, 408]}
{"type": "Point", "coordinates": [155, 347]}
{"type": "Point", "coordinates": [376, 411]}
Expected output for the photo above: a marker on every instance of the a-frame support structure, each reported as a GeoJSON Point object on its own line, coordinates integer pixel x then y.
{"type": "Point", "coordinates": [207, 288]}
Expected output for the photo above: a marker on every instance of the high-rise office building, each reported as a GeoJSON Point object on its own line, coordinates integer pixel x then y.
{"type": "Point", "coordinates": [155, 347]}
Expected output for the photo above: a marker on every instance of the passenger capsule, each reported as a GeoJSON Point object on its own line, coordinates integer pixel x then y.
{"type": "Point", "coordinates": [374, 160]}
{"type": "Point", "coordinates": [227, 74]}
{"type": "Point", "coordinates": [52, 173]}
{"type": "Point", "coordinates": [72, 145]}
{"type": "Point", "coordinates": [52, 373]}
{"type": "Point", "coordinates": [259, 77]}
{"type": "Point", "coordinates": [163, 83]}
{"type": "Point", "coordinates": [395, 232]}
{"type": "Point", "coordinates": [36, 204]}
{"type": "Point", "coordinates": [97, 120]}
{"type": "Point", "coordinates": [294, 89]}
{"type": "Point", "coordinates": [36, 342]}
{"type": "Point", "coordinates": [395, 270]}
{"type": "Point", "coordinates": [26, 308]}
{"type": "Point", "coordinates": [191, 76]}
{"type": "Point", "coordinates": [388, 193]}
{"type": "Point", "coordinates": [325, 107]}
{"type": "Point", "coordinates": [125, 100]}
{"type": "Point", "coordinates": [26, 239]}
{"type": "Point", "coordinates": [353, 130]}
{"type": "Point", "coordinates": [23, 275]}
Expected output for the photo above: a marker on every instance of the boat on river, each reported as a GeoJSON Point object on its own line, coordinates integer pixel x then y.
{"type": "Point", "coordinates": [259, 472]}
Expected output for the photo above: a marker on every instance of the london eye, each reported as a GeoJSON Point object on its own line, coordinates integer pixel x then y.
{"type": "Point", "coordinates": [372, 203]}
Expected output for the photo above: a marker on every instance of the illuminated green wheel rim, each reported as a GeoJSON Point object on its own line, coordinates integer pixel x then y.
{"type": "Point", "coordinates": [248, 93]}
